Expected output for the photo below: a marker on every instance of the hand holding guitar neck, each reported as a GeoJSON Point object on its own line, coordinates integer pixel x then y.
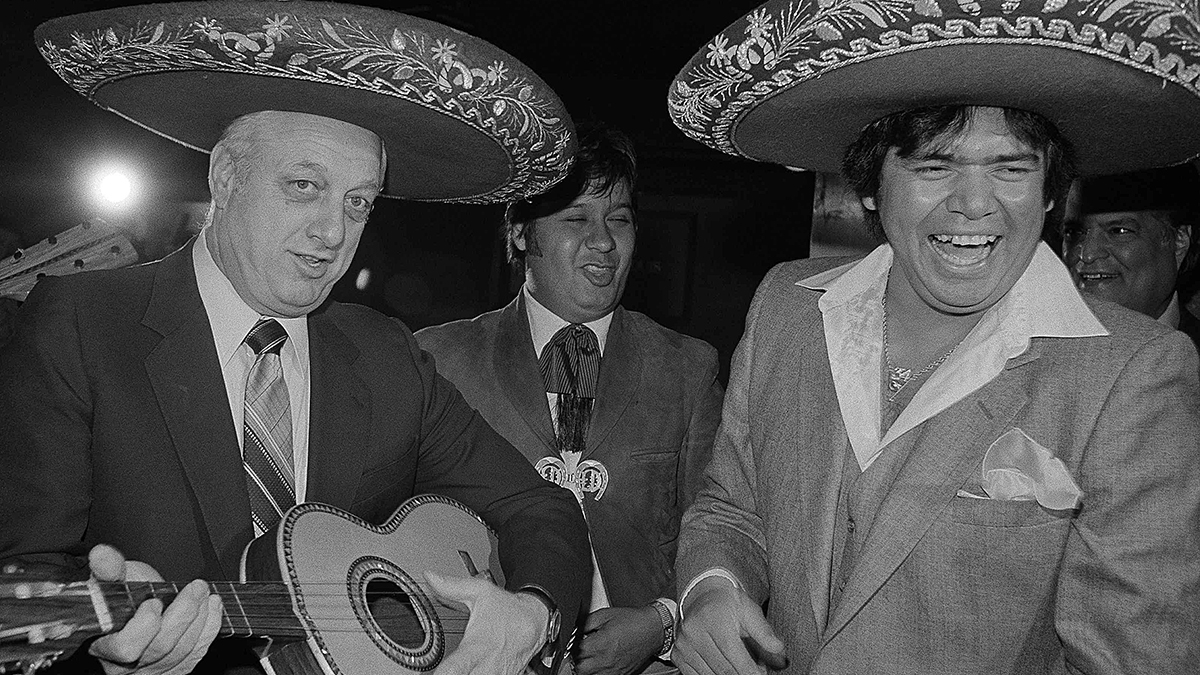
{"type": "Point", "coordinates": [156, 640]}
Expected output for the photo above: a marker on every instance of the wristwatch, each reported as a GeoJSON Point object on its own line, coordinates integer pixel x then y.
{"type": "Point", "coordinates": [553, 622]}
{"type": "Point", "coordinates": [666, 615]}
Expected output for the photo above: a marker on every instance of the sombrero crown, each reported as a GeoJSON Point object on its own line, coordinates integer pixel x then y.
{"type": "Point", "coordinates": [462, 121]}
{"type": "Point", "coordinates": [794, 81]}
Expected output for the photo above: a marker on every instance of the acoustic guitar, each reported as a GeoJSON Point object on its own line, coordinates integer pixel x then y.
{"type": "Point", "coordinates": [333, 594]}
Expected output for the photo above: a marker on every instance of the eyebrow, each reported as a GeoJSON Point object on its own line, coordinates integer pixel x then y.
{"type": "Point", "coordinates": [317, 167]}
{"type": "Point", "coordinates": [944, 156]}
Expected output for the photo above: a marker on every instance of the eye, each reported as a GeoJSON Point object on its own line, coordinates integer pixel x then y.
{"type": "Point", "coordinates": [931, 170]}
{"type": "Point", "coordinates": [359, 207]}
{"type": "Point", "coordinates": [304, 185]}
{"type": "Point", "coordinates": [1014, 173]}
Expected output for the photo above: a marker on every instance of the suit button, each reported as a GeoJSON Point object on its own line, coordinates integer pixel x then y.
{"type": "Point", "coordinates": [850, 525]}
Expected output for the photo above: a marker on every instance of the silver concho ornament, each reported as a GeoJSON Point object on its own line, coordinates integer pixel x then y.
{"type": "Point", "coordinates": [589, 476]}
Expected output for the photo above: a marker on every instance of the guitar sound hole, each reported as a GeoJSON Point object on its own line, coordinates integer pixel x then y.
{"type": "Point", "coordinates": [392, 610]}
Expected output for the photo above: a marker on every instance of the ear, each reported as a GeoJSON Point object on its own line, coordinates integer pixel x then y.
{"type": "Point", "coordinates": [1183, 241]}
{"type": "Point", "coordinates": [221, 172]}
{"type": "Point", "coordinates": [519, 238]}
{"type": "Point", "coordinates": [868, 203]}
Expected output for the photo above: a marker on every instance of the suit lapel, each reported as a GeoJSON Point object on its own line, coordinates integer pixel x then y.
{"type": "Point", "coordinates": [340, 415]}
{"type": "Point", "coordinates": [620, 377]}
{"type": "Point", "coordinates": [813, 445]}
{"type": "Point", "coordinates": [948, 448]}
{"type": "Point", "coordinates": [185, 375]}
{"type": "Point", "coordinates": [518, 375]}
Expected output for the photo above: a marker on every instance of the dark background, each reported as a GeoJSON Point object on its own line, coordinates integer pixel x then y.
{"type": "Point", "coordinates": [710, 225]}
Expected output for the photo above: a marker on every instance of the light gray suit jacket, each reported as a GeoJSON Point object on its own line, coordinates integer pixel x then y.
{"type": "Point", "coordinates": [947, 584]}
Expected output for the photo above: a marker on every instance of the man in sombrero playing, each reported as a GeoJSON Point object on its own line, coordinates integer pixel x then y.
{"type": "Point", "coordinates": [940, 458]}
{"type": "Point", "coordinates": [158, 418]}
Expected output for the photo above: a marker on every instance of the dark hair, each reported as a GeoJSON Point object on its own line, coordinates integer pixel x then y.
{"type": "Point", "coordinates": [912, 130]}
{"type": "Point", "coordinates": [605, 158]}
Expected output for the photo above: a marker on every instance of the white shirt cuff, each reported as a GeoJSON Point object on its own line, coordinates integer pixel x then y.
{"type": "Point", "coordinates": [714, 572]}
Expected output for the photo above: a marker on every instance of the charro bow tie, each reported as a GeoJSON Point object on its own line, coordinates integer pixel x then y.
{"type": "Point", "coordinates": [570, 365]}
{"type": "Point", "coordinates": [570, 362]}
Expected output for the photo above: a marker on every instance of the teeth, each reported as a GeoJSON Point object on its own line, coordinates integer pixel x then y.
{"type": "Point", "coordinates": [966, 239]}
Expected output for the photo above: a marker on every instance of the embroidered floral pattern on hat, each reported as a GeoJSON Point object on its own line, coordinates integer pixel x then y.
{"type": "Point", "coordinates": [782, 44]}
{"type": "Point", "coordinates": [436, 72]}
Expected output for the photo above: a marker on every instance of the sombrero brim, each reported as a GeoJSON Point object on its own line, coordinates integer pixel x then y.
{"type": "Point", "coordinates": [804, 89]}
{"type": "Point", "coordinates": [461, 120]}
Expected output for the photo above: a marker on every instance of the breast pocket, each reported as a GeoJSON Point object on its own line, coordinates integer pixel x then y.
{"type": "Point", "coordinates": [1004, 513]}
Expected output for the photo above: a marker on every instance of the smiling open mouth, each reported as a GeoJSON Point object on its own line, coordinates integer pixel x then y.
{"type": "Point", "coordinates": [964, 249]}
{"type": "Point", "coordinates": [311, 260]}
{"type": "Point", "coordinates": [1095, 277]}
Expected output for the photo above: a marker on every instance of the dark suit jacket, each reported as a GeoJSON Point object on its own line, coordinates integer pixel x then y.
{"type": "Point", "coordinates": [116, 429]}
{"type": "Point", "coordinates": [658, 404]}
{"type": "Point", "coordinates": [945, 583]}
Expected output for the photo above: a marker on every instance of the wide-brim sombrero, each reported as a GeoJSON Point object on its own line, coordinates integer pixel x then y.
{"type": "Point", "coordinates": [794, 81]}
{"type": "Point", "coordinates": [461, 120]}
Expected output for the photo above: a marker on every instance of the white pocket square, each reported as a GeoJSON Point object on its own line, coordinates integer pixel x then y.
{"type": "Point", "coordinates": [1016, 467]}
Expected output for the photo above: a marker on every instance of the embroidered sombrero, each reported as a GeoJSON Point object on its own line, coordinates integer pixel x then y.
{"type": "Point", "coordinates": [462, 121]}
{"type": "Point", "coordinates": [794, 81]}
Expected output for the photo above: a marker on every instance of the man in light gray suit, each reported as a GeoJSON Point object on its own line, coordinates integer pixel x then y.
{"type": "Point", "coordinates": [940, 458]}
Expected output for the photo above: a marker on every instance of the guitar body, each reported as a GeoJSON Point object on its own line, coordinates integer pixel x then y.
{"type": "Point", "coordinates": [359, 589]}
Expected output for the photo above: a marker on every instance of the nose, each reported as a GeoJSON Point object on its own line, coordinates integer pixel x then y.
{"type": "Point", "coordinates": [329, 226]}
{"type": "Point", "coordinates": [599, 236]}
{"type": "Point", "coordinates": [973, 196]}
{"type": "Point", "coordinates": [1086, 245]}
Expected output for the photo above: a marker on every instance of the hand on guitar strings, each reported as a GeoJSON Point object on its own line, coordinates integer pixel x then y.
{"type": "Point", "coordinates": [155, 641]}
{"type": "Point", "coordinates": [504, 631]}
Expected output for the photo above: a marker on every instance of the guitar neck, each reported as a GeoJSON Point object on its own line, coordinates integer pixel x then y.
{"type": "Point", "coordinates": [80, 610]}
{"type": "Point", "coordinates": [261, 609]}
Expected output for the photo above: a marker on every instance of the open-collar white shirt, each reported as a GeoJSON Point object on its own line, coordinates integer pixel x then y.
{"type": "Point", "coordinates": [1042, 303]}
{"type": "Point", "coordinates": [231, 319]}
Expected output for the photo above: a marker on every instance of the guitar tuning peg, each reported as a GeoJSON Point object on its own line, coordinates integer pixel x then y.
{"type": "Point", "coordinates": [12, 568]}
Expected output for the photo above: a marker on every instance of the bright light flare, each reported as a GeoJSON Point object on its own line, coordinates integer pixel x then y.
{"type": "Point", "coordinates": [115, 187]}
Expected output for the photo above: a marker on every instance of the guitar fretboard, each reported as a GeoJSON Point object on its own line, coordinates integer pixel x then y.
{"type": "Point", "coordinates": [261, 609]}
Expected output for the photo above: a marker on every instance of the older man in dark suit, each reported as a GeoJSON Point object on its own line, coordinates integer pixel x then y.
{"type": "Point", "coordinates": [631, 431]}
{"type": "Point", "coordinates": [1131, 238]}
{"type": "Point", "coordinates": [175, 410]}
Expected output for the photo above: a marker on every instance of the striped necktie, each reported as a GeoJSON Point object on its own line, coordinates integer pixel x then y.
{"type": "Point", "coordinates": [570, 365]}
{"type": "Point", "coordinates": [267, 437]}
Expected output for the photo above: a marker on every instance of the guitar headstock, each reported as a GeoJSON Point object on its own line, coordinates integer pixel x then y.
{"type": "Point", "coordinates": [41, 619]}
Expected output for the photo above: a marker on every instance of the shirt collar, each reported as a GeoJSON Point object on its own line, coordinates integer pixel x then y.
{"type": "Point", "coordinates": [543, 324]}
{"type": "Point", "coordinates": [1042, 303]}
{"type": "Point", "coordinates": [231, 318]}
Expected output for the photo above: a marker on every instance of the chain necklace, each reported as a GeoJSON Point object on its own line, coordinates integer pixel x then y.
{"type": "Point", "coordinates": [898, 378]}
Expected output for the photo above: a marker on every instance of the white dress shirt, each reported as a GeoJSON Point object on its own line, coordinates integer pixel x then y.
{"type": "Point", "coordinates": [231, 319]}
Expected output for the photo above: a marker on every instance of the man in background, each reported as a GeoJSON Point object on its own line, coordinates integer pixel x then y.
{"type": "Point", "coordinates": [600, 399]}
{"type": "Point", "coordinates": [1131, 239]}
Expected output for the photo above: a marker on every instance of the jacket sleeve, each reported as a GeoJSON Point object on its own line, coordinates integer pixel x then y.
{"type": "Point", "coordinates": [45, 434]}
{"type": "Point", "coordinates": [722, 528]}
{"type": "Point", "coordinates": [1128, 597]}
{"type": "Point", "coordinates": [542, 535]}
